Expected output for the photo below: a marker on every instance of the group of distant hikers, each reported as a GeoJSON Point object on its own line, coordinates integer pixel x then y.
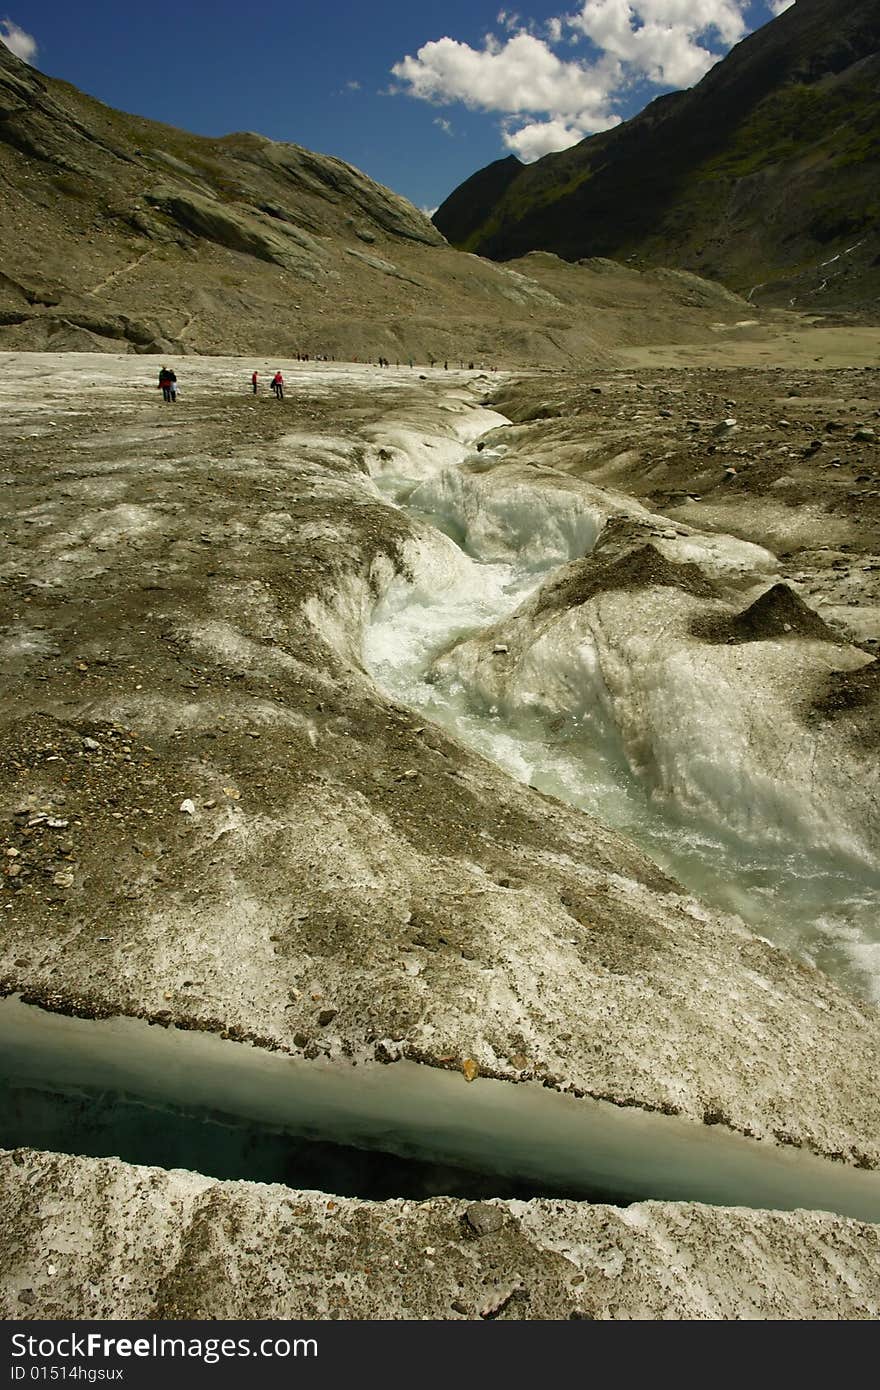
{"type": "Point", "coordinates": [170, 389]}
{"type": "Point", "coordinates": [276, 385]}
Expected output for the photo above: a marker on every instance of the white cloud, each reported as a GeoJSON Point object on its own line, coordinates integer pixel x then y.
{"type": "Point", "coordinates": [22, 44]}
{"type": "Point", "coordinates": [444, 125]}
{"type": "Point", "coordinates": [668, 43]}
{"type": "Point", "coordinates": [780, 6]}
{"type": "Point", "coordinates": [658, 39]}
{"type": "Point", "coordinates": [538, 138]}
{"type": "Point", "coordinates": [522, 74]}
{"type": "Point", "coordinates": [352, 86]}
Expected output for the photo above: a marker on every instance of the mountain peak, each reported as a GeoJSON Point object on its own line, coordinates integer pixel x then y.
{"type": "Point", "coordinates": [756, 176]}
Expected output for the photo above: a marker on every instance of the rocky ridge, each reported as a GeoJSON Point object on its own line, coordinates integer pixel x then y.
{"type": "Point", "coordinates": [123, 235]}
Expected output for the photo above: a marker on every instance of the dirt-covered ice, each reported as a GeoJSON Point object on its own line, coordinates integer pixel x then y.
{"type": "Point", "coordinates": [215, 817]}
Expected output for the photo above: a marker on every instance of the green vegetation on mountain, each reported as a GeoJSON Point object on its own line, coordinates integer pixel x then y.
{"type": "Point", "coordinates": [759, 176]}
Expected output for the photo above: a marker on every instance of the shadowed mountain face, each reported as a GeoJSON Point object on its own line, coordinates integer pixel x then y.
{"type": "Point", "coordinates": [762, 175]}
{"type": "Point", "coordinates": [121, 234]}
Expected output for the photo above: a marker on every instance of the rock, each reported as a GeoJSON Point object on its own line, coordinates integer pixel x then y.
{"type": "Point", "coordinates": [502, 1298]}
{"type": "Point", "coordinates": [725, 426]}
{"type": "Point", "coordinates": [470, 1069]}
{"type": "Point", "coordinates": [500, 649]}
{"type": "Point", "coordinates": [27, 1296]}
{"type": "Point", "coordinates": [64, 879]}
{"type": "Point", "coordinates": [865, 435]}
{"type": "Point", "coordinates": [188, 807]}
{"type": "Point", "coordinates": [91, 745]}
{"type": "Point", "coordinates": [232, 227]}
{"type": "Point", "coordinates": [326, 1016]}
{"type": "Point", "coordinates": [483, 1218]}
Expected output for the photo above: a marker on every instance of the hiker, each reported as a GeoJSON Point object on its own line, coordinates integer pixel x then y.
{"type": "Point", "coordinates": [165, 383]}
{"type": "Point", "coordinates": [172, 384]}
{"type": "Point", "coordinates": [254, 377]}
{"type": "Point", "coordinates": [278, 386]}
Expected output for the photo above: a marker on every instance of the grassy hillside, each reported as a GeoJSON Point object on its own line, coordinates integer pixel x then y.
{"type": "Point", "coordinates": [758, 176]}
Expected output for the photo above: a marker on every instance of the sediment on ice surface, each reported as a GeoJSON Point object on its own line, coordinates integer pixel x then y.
{"type": "Point", "coordinates": [351, 882]}
{"type": "Point", "coordinates": [117, 1241]}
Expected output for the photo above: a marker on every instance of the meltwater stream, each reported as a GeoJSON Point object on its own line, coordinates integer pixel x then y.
{"type": "Point", "coordinates": [822, 909]}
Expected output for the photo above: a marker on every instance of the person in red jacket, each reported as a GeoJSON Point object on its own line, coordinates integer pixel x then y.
{"type": "Point", "coordinates": [254, 382]}
{"type": "Point", "coordinates": [278, 386]}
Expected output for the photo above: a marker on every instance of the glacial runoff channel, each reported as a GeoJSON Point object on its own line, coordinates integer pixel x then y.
{"type": "Point", "coordinates": [823, 908]}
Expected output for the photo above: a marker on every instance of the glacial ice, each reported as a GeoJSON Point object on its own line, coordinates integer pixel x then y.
{"type": "Point", "coordinates": [709, 729]}
{"type": "Point", "coordinates": [495, 518]}
{"type": "Point", "coordinates": [405, 447]}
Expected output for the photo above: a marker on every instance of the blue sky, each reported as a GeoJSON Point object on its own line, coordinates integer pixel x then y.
{"type": "Point", "coordinates": [419, 95]}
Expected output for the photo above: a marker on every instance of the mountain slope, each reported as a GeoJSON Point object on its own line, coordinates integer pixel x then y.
{"type": "Point", "coordinates": [765, 170]}
{"type": "Point", "coordinates": [117, 233]}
